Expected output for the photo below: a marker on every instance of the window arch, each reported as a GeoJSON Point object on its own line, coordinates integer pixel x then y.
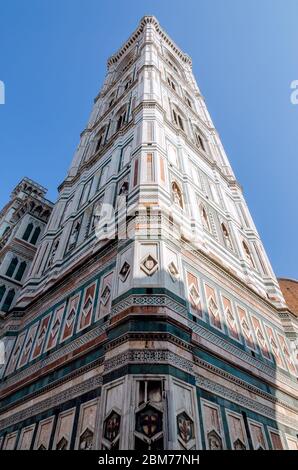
{"type": "Point", "coordinates": [177, 194]}
{"type": "Point", "coordinates": [12, 267]}
{"type": "Point", "coordinates": [8, 300]}
{"type": "Point", "coordinates": [200, 139]}
{"type": "Point", "coordinates": [178, 118]}
{"type": "Point", "coordinates": [120, 118]}
{"type": "Point", "coordinates": [226, 236]}
{"type": "Point", "coordinates": [2, 292]}
{"type": "Point", "coordinates": [248, 254]}
{"type": "Point", "coordinates": [100, 138]}
{"type": "Point", "coordinates": [35, 235]}
{"type": "Point", "coordinates": [172, 83]}
{"type": "Point", "coordinates": [205, 219]}
{"type": "Point", "coordinates": [20, 271]}
{"type": "Point", "coordinates": [28, 231]}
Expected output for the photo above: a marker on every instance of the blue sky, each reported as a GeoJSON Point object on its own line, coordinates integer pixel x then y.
{"type": "Point", "coordinates": [245, 55]}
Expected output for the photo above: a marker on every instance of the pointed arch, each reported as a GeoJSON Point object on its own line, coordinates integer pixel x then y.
{"type": "Point", "coordinates": [2, 292]}
{"type": "Point", "coordinates": [20, 271]}
{"type": "Point", "coordinates": [226, 235]}
{"type": "Point", "coordinates": [8, 300]}
{"type": "Point", "coordinates": [35, 236]}
{"type": "Point", "coordinates": [248, 254]}
{"type": "Point", "coordinates": [205, 218]}
{"type": "Point", "coordinates": [28, 231]}
{"type": "Point", "coordinates": [177, 194]}
{"type": "Point", "coordinates": [12, 267]}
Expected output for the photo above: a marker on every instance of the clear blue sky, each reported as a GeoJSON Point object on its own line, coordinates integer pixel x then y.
{"type": "Point", "coordinates": [245, 55]}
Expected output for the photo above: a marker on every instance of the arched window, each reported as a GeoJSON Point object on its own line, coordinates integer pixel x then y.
{"type": "Point", "coordinates": [205, 219]}
{"type": "Point", "coordinates": [28, 231]}
{"type": "Point", "coordinates": [120, 119]}
{"type": "Point", "coordinates": [199, 138]}
{"type": "Point", "coordinates": [100, 138]}
{"type": "Point", "coordinates": [35, 235]}
{"type": "Point", "coordinates": [248, 254]}
{"type": "Point", "coordinates": [226, 236]}
{"type": "Point", "coordinates": [177, 195]}
{"type": "Point", "coordinates": [178, 119]}
{"type": "Point", "coordinates": [20, 271]}
{"type": "Point", "coordinates": [171, 83]}
{"type": "Point", "coordinates": [8, 300]}
{"type": "Point", "coordinates": [12, 267]}
{"type": "Point", "coordinates": [127, 83]}
{"type": "Point", "coordinates": [2, 292]}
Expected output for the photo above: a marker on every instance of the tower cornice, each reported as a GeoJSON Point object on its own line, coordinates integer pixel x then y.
{"type": "Point", "coordinates": [149, 20]}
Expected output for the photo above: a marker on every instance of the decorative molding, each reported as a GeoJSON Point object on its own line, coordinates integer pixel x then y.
{"type": "Point", "coordinates": [246, 402]}
{"type": "Point", "coordinates": [51, 402]}
{"type": "Point", "coordinates": [231, 349]}
{"type": "Point", "coordinates": [152, 300]}
{"type": "Point", "coordinates": [53, 357]}
{"type": "Point", "coordinates": [147, 356]}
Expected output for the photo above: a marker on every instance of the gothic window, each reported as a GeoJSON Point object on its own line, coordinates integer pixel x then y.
{"type": "Point", "coordinates": [178, 120]}
{"type": "Point", "coordinates": [100, 139]}
{"type": "Point", "coordinates": [53, 252]}
{"type": "Point", "coordinates": [66, 211]}
{"type": "Point", "coordinates": [187, 100]}
{"type": "Point", "coordinates": [2, 292]}
{"type": "Point", "coordinates": [96, 215]}
{"type": "Point", "coordinates": [248, 254]}
{"type": "Point", "coordinates": [28, 231]}
{"type": "Point", "coordinates": [112, 99]}
{"type": "Point", "coordinates": [200, 140]}
{"type": "Point", "coordinates": [35, 236]}
{"type": "Point", "coordinates": [20, 271]}
{"type": "Point", "coordinates": [74, 234]}
{"type": "Point", "coordinates": [85, 193]}
{"type": "Point", "coordinates": [120, 118]}
{"type": "Point", "coordinates": [8, 300]}
{"type": "Point", "coordinates": [226, 236]}
{"type": "Point", "coordinates": [172, 83]}
{"type": "Point", "coordinates": [177, 195]}
{"type": "Point", "coordinates": [12, 267]}
{"type": "Point", "coordinates": [205, 219]}
{"type": "Point", "coordinates": [127, 83]}
{"type": "Point", "coordinates": [123, 191]}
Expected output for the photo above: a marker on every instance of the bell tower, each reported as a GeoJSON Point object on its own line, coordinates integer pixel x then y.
{"type": "Point", "coordinates": [151, 294]}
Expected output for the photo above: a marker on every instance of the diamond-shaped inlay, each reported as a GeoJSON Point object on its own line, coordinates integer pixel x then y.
{"type": "Point", "coordinates": [246, 328]}
{"type": "Point", "coordinates": [70, 316]}
{"type": "Point", "coordinates": [149, 265]}
{"type": "Point", "coordinates": [173, 270]}
{"type": "Point", "coordinates": [105, 295]}
{"type": "Point", "coordinates": [230, 317]}
{"type": "Point", "coordinates": [260, 336]}
{"type": "Point", "coordinates": [124, 271]}
{"type": "Point", "coordinates": [87, 306]}
{"type": "Point", "coordinates": [194, 294]}
{"type": "Point", "coordinates": [213, 307]}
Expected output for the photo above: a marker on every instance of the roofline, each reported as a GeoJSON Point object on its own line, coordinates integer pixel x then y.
{"type": "Point", "coordinates": [133, 37]}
